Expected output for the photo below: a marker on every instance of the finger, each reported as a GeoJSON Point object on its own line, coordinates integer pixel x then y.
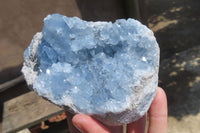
{"type": "Point", "coordinates": [87, 124]}
{"type": "Point", "coordinates": [158, 113]}
{"type": "Point", "coordinates": [72, 129]}
{"type": "Point", "coordinates": [137, 126]}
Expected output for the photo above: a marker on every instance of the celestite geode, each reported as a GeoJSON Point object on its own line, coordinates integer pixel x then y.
{"type": "Point", "coordinates": [107, 70]}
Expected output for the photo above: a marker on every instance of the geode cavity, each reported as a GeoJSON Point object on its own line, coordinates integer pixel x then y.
{"type": "Point", "coordinates": [107, 70]}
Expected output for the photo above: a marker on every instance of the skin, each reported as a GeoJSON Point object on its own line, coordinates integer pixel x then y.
{"type": "Point", "coordinates": [157, 120]}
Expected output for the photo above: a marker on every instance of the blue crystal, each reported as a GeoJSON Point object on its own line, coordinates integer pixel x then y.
{"type": "Point", "coordinates": [94, 67]}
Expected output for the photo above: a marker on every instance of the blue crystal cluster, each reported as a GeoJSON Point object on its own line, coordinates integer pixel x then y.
{"type": "Point", "coordinates": [94, 67]}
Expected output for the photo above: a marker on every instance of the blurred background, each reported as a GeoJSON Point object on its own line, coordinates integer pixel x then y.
{"type": "Point", "coordinates": [176, 24]}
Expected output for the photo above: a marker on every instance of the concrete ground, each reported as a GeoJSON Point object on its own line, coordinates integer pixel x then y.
{"type": "Point", "coordinates": [174, 22]}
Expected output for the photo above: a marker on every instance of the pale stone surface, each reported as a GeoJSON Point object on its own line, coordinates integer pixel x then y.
{"type": "Point", "coordinates": [107, 70]}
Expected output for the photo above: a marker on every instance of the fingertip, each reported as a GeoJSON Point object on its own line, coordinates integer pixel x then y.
{"type": "Point", "coordinates": [160, 96]}
{"type": "Point", "coordinates": [77, 118]}
{"type": "Point", "coordinates": [161, 91]}
{"type": "Point", "coordinates": [87, 124]}
{"type": "Point", "coordinates": [159, 104]}
{"type": "Point", "coordinates": [78, 121]}
{"type": "Point", "coordinates": [158, 113]}
{"type": "Point", "coordinates": [71, 126]}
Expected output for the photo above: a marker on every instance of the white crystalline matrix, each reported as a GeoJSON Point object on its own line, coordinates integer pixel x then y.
{"type": "Point", "coordinates": [103, 69]}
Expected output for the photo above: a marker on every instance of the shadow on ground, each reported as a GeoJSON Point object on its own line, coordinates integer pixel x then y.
{"type": "Point", "coordinates": [10, 94]}
{"type": "Point", "coordinates": [180, 77]}
{"type": "Point", "coordinates": [175, 23]}
{"type": "Point", "coordinates": [10, 73]}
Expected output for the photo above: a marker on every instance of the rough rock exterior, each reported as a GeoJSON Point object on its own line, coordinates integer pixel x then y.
{"type": "Point", "coordinates": [107, 70]}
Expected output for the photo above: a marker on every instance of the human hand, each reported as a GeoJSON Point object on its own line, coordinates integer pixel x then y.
{"type": "Point", "coordinates": [157, 120]}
